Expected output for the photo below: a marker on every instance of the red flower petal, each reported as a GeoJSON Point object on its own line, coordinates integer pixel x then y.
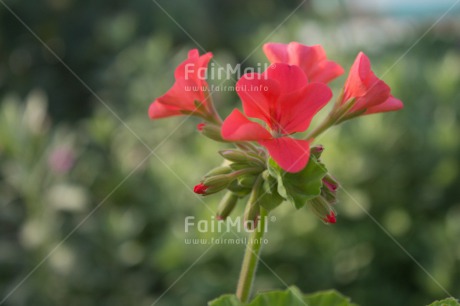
{"type": "Point", "coordinates": [237, 127]}
{"type": "Point", "coordinates": [183, 95]}
{"type": "Point", "coordinates": [291, 154]}
{"type": "Point", "coordinates": [289, 77]}
{"type": "Point", "coordinates": [325, 72]}
{"type": "Point", "coordinates": [299, 108]}
{"type": "Point", "coordinates": [286, 103]}
{"type": "Point", "coordinates": [281, 87]}
{"type": "Point", "coordinates": [158, 110]}
{"type": "Point", "coordinates": [194, 67]}
{"type": "Point", "coordinates": [312, 60]}
{"type": "Point", "coordinates": [258, 95]}
{"type": "Point", "coordinates": [391, 104]}
{"type": "Point", "coordinates": [276, 52]}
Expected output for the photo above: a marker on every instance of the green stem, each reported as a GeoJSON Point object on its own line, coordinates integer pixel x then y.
{"type": "Point", "coordinates": [215, 117]}
{"type": "Point", "coordinates": [327, 123]}
{"type": "Point", "coordinates": [251, 258]}
{"type": "Point", "coordinates": [335, 116]}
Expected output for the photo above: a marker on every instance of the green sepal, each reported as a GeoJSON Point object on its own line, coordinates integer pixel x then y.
{"type": "Point", "coordinates": [252, 210]}
{"type": "Point", "coordinates": [238, 190]}
{"type": "Point", "coordinates": [226, 205]}
{"type": "Point", "coordinates": [299, 187]}
{"type": "Point", "coordinates": [219, 170]}
{"type": "Point", "coordinates": [247, 180]}
{"type": "Point", "coordinates": [212, 131]}
{"type": "Point", "coordinates": [234, 155]}
{"type": "Point", "coordinates": [316, 151]}
{"type": "Point", "coordinates": [269, 197]}
{"type": "Point", "coordinates": [239, 166]}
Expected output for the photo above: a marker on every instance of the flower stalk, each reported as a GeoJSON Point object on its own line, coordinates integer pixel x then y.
{"type": "Point", "coordinates": [251, 255]}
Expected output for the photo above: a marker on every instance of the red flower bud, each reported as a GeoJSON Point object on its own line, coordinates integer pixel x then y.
{"type": "Point", "coordinates": [200, 188]}
{"type": "Point", "coordinates": [330, 183]}
{"type": "Point", "coordinates": [316, 151]}
{"type": "Point", "coordinates": [331, 186]}
{"type": "Point", "coordinates": [330, 218]}
{"type": "Point", "coordinates": [200, 126]}
{"type": "Point", "coordinates": [322, 208]}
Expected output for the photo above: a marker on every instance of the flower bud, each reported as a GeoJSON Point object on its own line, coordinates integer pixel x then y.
{"type": "Point", "coordinates": [217, 183]}
{"type": "Point", "coordinates": [240, 191]}
{"type": "Point", "coordinates": [212, 131]}
{"type": "Point", "coordinates": [226, 205]}
{"type": "Point", "coordinates": [330, 218]}
{"type": "Point", "coordinates": [200, 126]}
{"type": "Point", "coordinates": [330, 183]}
{"type": "Point", "coordinates": [214, 181]}
{"type": "Point", "coordinates": [247, 180]}
{"type": "Point", "coordinates": [239, 166]}
{"type": "Point", "coordinates": [322, 209]}
{"type": "Point", "coordinates": [200, 189]}
{"type": "Point", "coordinates": [240, 157]}
{"type": "Point", "coordinates": [219, 170]}
{"type": "Point", "coordinates": [329, 189]}
{"type": "Point", "coordinates": [316, 151]}
{"type": "Point", "coordinates": [329, 196]}
{"type": "Point", "coordinates": [234, 155]}
{"type": "Point", "coordinates": [256, 160]}
{"type": "Point", "coordinates": [252, 211]}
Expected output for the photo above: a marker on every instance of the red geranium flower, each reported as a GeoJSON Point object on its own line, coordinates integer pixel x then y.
{"type": "Point", "coordinates": [190, 87]}
{"type": "Point", "coordinates": [283, 99]}
{"type": "Point", "coordinates": [312, 60]}
{"type": "Point", "coordinates": [372, 94]}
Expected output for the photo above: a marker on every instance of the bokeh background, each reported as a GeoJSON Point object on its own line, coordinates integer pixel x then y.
{"type": "Point", "coordinates": [93, 194]}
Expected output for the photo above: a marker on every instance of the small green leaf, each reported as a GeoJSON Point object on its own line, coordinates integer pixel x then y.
{"type": "Point", "coordinates": [327, 298]}
{"type": "Point", "coordinates": [290, 297]}
{"type": "Point", "coordinates": [269, 197]}
{"type": "Point", "coordinates": [446, 302]}
{"type": "Point", "coordinates": [299, 187]}
{"type": "Point", "coordinates": [226, 300]}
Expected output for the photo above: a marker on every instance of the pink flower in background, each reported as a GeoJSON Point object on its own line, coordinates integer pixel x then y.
{"type": "Point", "coordinates": [283, 99]}
{"type": "Point", "coordinates": [190, 86]}
{"type": "Point", "coordinates": [61, 159]}
{"type": "Point", "coordinates": [372, 94]}
{"type": "Point", "coordinates": [312, 60]}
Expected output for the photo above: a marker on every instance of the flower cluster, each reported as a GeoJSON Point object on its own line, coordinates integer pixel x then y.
{"type": "Point", "coordinates": [271, 161]}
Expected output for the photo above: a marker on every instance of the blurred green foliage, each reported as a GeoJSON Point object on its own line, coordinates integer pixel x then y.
{"type": "Point", "coordinates": [89, 216]}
